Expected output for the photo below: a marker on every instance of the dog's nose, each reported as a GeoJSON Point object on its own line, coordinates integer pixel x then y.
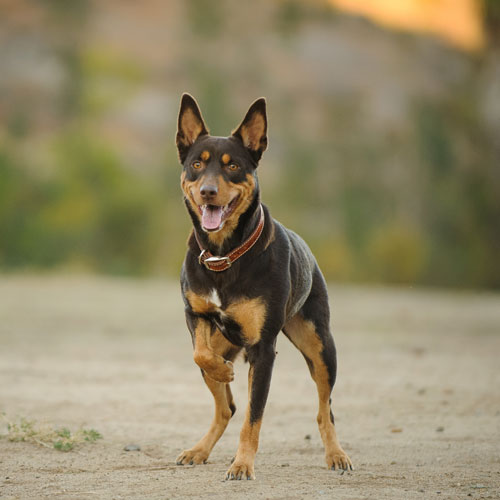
{"type": "Point", "coordinates": [208, 191]}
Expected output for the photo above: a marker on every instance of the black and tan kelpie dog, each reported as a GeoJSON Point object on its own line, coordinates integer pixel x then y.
{"type": "Point", "coordinates": [245, 278]}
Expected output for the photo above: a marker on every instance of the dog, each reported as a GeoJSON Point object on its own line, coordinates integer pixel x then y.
{"type": "Point", "coordinates": [244, 279]}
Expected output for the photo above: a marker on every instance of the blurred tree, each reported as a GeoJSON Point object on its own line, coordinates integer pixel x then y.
{"type": "Point", "coordinates": [206, 18]}
{"type": "Point", "coordinates": [492, 20]}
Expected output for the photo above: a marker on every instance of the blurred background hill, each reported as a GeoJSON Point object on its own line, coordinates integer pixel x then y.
{"type": "Point", "coordinates": [384, 130]}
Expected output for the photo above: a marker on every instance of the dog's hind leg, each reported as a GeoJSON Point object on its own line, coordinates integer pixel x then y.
{"type": "Point", "coordinates": [309, 331]}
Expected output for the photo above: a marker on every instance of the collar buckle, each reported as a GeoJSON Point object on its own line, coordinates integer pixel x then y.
{"type": "Point", "coordinates": [216, 261]}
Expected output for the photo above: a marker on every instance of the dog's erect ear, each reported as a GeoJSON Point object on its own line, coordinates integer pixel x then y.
{"type": "Point", "coordinates": [253, 129]}
{"type": "Point", "coordinates": [189, 126]}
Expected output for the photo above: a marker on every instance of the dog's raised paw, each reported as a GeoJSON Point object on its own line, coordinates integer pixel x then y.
{"type": "Point", "coordinates": [223, 373]}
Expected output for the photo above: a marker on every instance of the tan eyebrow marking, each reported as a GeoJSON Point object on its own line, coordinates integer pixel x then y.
{"type": "Point", "coordinates": [205, 156]}
{"type": "Point", "coordinates": [226, 158]}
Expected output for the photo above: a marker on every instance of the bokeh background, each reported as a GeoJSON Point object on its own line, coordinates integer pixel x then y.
{"type": "Point", "coordinates": [384, 130]}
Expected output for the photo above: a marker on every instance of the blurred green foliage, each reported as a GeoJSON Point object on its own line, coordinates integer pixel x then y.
{"type": "Point", "coordinates": [89, 212]}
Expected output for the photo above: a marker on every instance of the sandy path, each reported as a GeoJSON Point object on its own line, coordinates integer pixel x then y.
{"type": "Point", "coordinates": [115, 355]}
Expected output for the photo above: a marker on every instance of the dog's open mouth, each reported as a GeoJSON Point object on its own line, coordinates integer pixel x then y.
{"type": "Point", "coordinates": [214, 216]}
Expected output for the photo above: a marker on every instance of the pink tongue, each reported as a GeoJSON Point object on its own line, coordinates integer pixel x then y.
{"type": "Point", "coordinates": [211, 217]}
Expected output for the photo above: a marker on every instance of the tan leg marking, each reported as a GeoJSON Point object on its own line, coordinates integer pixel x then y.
{"type": "Point", "coordinates": [243, 464]}
{"type": "Point", "coordinates": [199, 453]}
{"type": "Point", "coordinates": [250, 314]}
{"type": "Point", "coordinates": [303, 335]}
{"type": "Point", "coordinates": [206, 349]}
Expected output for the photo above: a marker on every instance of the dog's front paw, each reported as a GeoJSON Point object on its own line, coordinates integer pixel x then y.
{"type": "Point", "coordinates": [223, 372]}
{"type": "Point", "coordinates": [240, 470]}
{"type": "Point", "coordinates": [194, 456]}
{"type": "Point", "coordinates": [338, 459]}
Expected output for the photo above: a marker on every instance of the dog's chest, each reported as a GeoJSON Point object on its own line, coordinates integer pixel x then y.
{"type": "Point", "coordinates": [206, 303]}
{"type": "Point", "coordinates": [247, 314]}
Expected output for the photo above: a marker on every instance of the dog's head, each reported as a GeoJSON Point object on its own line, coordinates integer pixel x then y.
{"type": "Point", "coordinates": [219, 176]}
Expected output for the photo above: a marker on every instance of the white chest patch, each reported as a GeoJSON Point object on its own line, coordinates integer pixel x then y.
{"type": "Point", "coordinates": [214, 298]}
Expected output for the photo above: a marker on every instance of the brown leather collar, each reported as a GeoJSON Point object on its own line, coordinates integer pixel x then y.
{"type": "Point", "coordinates": [214, 263]}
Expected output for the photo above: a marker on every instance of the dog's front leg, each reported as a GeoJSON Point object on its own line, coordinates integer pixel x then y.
{"type": "Point", "coordinates": [212, 363]}
{"type": "Point", "coordinates": [213, 348]}
{"type": "Point", "coordinates": [261, 358]}
{"type": "Point", "coordinates": [224, 408]}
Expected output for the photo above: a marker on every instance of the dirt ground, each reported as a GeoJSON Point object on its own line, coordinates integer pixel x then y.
{"type": "Point", "coordinates": [417, 399]}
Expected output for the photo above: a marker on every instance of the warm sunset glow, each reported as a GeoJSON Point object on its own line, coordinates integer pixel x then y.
{"type": "Point", "coordinates": [457, 21]}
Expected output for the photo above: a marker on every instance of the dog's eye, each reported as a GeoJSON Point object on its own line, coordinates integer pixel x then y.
{"type": "Point", "coordinates": [197, 165]}
{"type": "Point", "coordinates": [233, 167]}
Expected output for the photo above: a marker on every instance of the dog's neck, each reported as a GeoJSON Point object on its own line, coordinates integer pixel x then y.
{"type": "Point", "coordinates": [247, 223]}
